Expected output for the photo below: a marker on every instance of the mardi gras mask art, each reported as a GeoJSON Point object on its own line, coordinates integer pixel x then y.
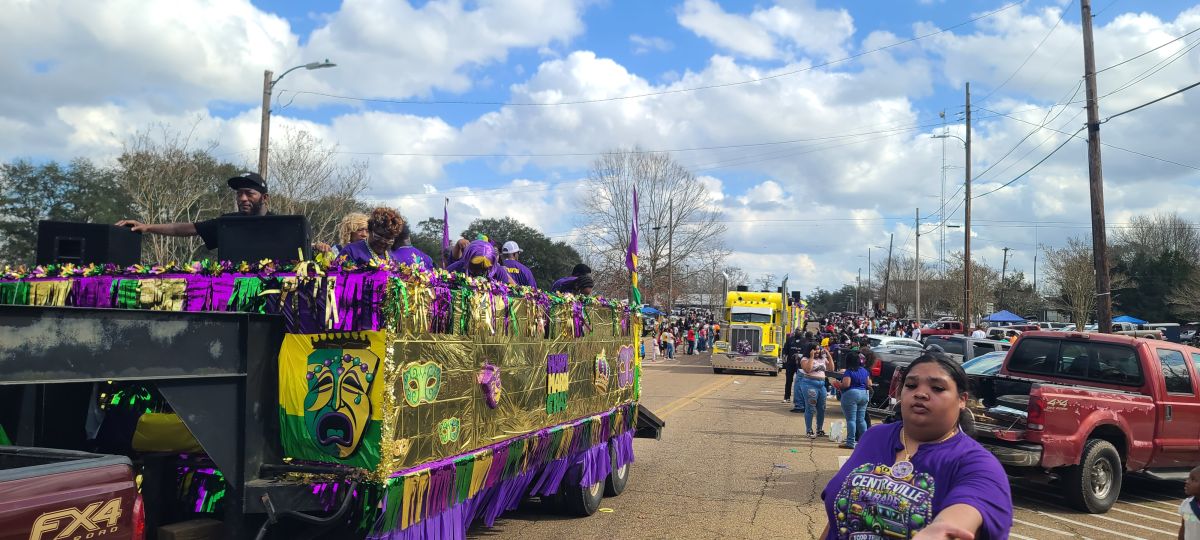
{"type": "Point", "coordinates": [422, 381]}
{"type": "Point", "coordinates": [489, 383]}
{"type": "Point", "coordinates": [448, 430]}
{"type": "Point", "coordinates": [625, 366]}
{"type": "Point", "coordinates": [338, 403]}
{"type": "Point", "coordinates": [600, 377]}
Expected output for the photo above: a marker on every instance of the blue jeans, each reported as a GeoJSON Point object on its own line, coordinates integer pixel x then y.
{"type": "Point", "coordinates": [854, 407]}
{"type": "Point", "coordinates": [814, 398]}
{"type": "Point", "coordinates": [670, 349]}
{"type": "Point", "coordinates": [798, 392]}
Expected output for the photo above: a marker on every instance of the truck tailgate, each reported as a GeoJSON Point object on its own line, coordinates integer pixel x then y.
{"type": "Point", "coordinates": [88, 497]}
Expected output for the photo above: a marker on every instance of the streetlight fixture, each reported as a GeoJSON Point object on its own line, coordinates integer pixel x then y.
{"type": "Point", "coordinates": [264, 134]}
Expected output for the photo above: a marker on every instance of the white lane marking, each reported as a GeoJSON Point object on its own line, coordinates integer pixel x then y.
{"type": "Point", "coordinates": [1043, 498]}
{"type": "Point", "coordinates": [1042, 527]}
{"type": "Point", "coordinates": [1051, 496]}
{"type": "Point", "coordinates": [1081, 524]}
{"type": "Point", "coordinates": [1143, 516]}
{"type": "Point", "coordinates": [1057, 497]}
{"type": "Point", "coordinates": [1105, 518]}
{"type": "Point", "coordinates": [1148, 507]}
{"type": "Point", "coordinates": [1173, 506]}
{"type": "Point", "coordinates": [1018, 536]}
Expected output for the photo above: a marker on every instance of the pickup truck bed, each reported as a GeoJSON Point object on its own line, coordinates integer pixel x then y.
{"type": "Point", "coordinates": [1091, 408]}
{"type": "Point", "coordinates": [47, 493]}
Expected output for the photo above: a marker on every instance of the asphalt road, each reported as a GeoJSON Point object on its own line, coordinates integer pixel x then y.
{"type": "Point", "coordinates": [734, 463]}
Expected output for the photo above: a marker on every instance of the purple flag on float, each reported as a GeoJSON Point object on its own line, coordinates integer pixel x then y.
{"type": "Point", "coordinates": [631, 254]}
{"type": "Point", "coordinates": [445, 231]}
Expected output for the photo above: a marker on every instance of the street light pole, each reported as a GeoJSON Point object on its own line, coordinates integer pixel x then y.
{"type": "Point", "coordinates": [967, 223]}
{"type": "Point", "coordinates": [264, 133]}
{"type": "Point", "coordinates": [917, 228]}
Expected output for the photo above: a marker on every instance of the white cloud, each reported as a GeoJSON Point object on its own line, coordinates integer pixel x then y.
{"type": "Point", "coordinates": [643, 44]}
{"type": "Point", "coordinates": [780, 31]}
{"type": "Point", "coordinates": [392, 49]}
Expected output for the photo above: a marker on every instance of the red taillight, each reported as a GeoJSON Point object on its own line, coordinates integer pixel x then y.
{"type": "Point", "coordinates": [139, 519]}
{"type": "Point", "coordinates": [1036, 413]}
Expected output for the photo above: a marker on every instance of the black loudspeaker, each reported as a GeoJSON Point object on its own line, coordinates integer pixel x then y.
{"type": "Point", "coordinates": [253, 238]}
{"type": "Point", "coordinates": [742, 288]}
{"type": "Point", "coordinates": [61, 242]}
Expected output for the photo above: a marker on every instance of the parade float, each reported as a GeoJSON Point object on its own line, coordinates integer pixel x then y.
{"type": "Point", "coordinates": [387, 400]}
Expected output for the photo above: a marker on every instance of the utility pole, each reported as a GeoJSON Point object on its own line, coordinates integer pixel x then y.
{"type": "Point", "coordinates": [887, 274]}
{"type": "Point", "coordinates": [1096, 176]}
{"type": "Point", "coordinates": [670, 256]}
{"type": "Point", "coordinates": [264, 133]}
{"type": "Point", "coordinates": [1003, 269]}
{"type": "Point", "coordinates": [967, 223]}
{"type": "Point", "coordinates": [917, 227]}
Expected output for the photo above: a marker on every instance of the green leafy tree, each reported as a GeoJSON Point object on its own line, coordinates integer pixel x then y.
{"type": "Point", "coordinates": [79, 191]}
{"type": "Point", "coordinates": [427, 237]}
{"type": "Point", "coordinates": [548, 260]}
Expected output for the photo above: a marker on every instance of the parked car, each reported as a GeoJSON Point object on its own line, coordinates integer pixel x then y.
{"type": "Point", "coordinates": [942, 328]}
{"type": "Point", "coordinates": [892, 360]}
{"type": "Point", "coordinates": [985, 364]}
{"type": "Point", "coordinates": [962, 348]}
{"type": "Point", "coordinates": [1021, 327]}
{"type": "Point", "coordinates": [1090, 408]}
{"type": "Point", "coordinates": [880, 340]}
{"type": "Point", "coordinates": [998, 333]}
{"type": "Point", "coordinates": [47, 493]}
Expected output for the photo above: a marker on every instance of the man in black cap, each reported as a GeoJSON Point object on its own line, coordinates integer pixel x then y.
{"type": "Point", "coordinates": [250, 194]}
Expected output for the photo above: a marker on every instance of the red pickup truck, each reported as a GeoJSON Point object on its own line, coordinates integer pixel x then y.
{"type": "Point", "coordinates": [1089, 408]}
{"type": "Point", "coordinates": [62, 494]}
{"type": "Point", "coordinates": [943, 328]}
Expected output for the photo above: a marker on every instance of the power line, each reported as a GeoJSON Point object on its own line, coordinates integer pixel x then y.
{"type": "Point", "coordinates": [666, 92]}
{"type": "Point", "coordinates": [1113, 146]}
{"type": "Point", "coordinates": [1035, 165]}
{"type": "Point", "coordinates": [1148, 103]}
{"type": "Point", "coordinates": [1045, 120]}
{"type": "Point", "coordinates": [1031, 53]}
{"type": "Point", "coordinates": [1153, 70]}
{"type": "Point", "coordinates": [1126, 61]}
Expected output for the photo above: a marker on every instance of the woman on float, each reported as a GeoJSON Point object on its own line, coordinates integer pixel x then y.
{"type": "Point", "coordinates": [921, 477]}
{"type": "Point", "coordinates": [384, 228]}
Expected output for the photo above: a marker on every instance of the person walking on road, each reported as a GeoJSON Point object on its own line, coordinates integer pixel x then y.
{"type": "Point", "coordinates": [791, 352]}
{"type": "Point", "coordinates": [928, 477]}
{"type": "Point", "coordinates": [855, 385]}
{"type": "Point", "coordinates": [979, 333]}
{"type": "Point", "coordinates": [668, 343]}
{"type": "Point", "coordinates": [812, 386]}
{"type": "Point", "coordinates": [702, 344]}
{"type": "Point", "coordinates": [691, 339]}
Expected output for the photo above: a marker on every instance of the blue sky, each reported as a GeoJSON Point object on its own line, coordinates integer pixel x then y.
{"type": "Point", "coordinates": [808, 207]}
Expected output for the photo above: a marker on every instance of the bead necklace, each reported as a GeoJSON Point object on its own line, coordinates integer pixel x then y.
{"type": "Point", "coordinates": [904, 467]}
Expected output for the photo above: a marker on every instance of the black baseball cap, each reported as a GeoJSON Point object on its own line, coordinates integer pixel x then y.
{"type": "Point", "coordinates": [249, 180]}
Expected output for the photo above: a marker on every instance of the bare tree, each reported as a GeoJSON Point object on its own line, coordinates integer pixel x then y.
{"type": "Point", "coordinates": [767, 281]}
{"type": "Point", "coordinates": [307, 179]}
{"type": "Point", "coordinates": [1071, 277]}
{"type": "Point", "coordinates": [169, 178]}
{"type": "Point", "coordinates": [675, 219]}
{"type": "Point", "coordinates": [1159, 233]}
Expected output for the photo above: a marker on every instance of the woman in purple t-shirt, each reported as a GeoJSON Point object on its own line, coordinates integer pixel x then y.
{"type": "Point", "coordinates": [921, 477]}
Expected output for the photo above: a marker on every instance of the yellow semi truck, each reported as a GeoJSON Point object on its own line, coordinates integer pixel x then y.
{"type": "Point", "coordinates": [754, 327]}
